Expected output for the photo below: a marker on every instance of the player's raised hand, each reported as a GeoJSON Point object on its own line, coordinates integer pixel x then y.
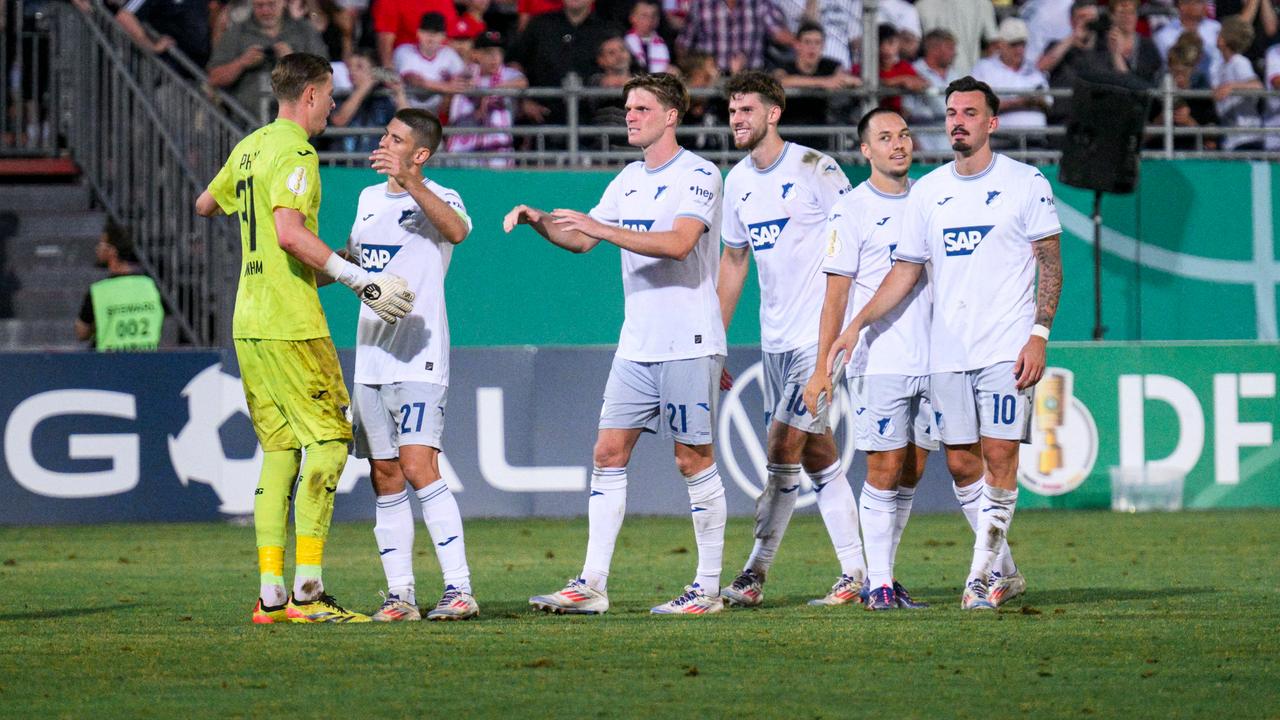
{"type": "Point", "coordinates": [843, 346]}
{"type": "Point", "coordinates": [389, 297]}
{"type": "Point", "coordinates": [386, 163]}
{"type": "Point", "coordinates": [520, 215]}
{"type": "Point", "coordinates": [1030, 366]}
{"type": "Point", "coordinates": [726, 381]}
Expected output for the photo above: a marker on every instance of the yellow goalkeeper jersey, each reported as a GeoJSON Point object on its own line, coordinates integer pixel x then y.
{"type": "Point", "coordinates": [273, 167]}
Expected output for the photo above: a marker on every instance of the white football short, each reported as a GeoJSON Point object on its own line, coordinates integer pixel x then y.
{"type": "Point", "coordinates": [385, 417]}
{"type": "Point", "coordinates": [677, 397]}
{"type": "Point", "coordinates": [980, 403]}
{"type": "Point", "coordinates": [891, 411]}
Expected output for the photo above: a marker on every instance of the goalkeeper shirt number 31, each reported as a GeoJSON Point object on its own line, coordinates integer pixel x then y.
{"type": "Point", "coordinates": [274, 167]}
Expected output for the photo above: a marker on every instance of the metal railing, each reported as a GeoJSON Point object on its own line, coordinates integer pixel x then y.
{"type": "Point", "coordinates": [576, 143]}
{"type": "Point", "coordinates": [148, 141]}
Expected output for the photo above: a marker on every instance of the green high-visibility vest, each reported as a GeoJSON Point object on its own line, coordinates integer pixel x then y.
{"type": "Point", "coordinates": [127, 313]}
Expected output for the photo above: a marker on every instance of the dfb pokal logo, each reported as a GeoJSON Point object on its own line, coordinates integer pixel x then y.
{"type": "Point", "coordinates": [740, 435]}
{"type": "Point", "coordinates": [1064, 438]}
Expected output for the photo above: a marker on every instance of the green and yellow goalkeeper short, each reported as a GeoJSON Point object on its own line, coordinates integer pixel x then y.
{"type": "Point", "coordinates": [295, 391]}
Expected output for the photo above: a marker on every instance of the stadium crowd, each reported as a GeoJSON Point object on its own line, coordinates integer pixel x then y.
{"type": "Point", "coordinates": [389, 54]}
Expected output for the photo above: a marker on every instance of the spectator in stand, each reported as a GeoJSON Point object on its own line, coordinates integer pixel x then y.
{"type": "Point", "coordinates": [969, 20]}
{"type": "Point", "coordinates": [431, 70]}
{"type": "Point", "coordinates": [734, 32]}
{"type": "Point", "coordinates": [1009, 69]}
{"type": "Point", "coordinates": [904, 17]}
{"type": "Point", "coordinates": [554, 45]}
{"type": "Point", "coordinates": [396, 23]}
{"type": "Point", "coordinates": [841, 22]}
{"type": "Point", "coordinates": [643, 41]}
{"type": "Point", "coordinates": [529, 9]}
{"type": "Point", "coordinates": [1262, 15]}
{"type": "Point", "coordinates": [470, 23]}
{"type": "Point", "coordinates": [356, 83]}
{"type": "Point", "coordinates": [699, 70]}
{"type": "Point", "coordinates": [1131, 53]}
{"type": "Point", "coordinates": [1192, 17]}
{"type": "Point", "coordinates": [930, 108]}
{"type": "Point", "coordinates": [896, 73]}
{"type": "Point", "coordinates": [1048, 21]}
{"type": "Point", "coordinates": [810, 71]}
{"type": "Point", "coordinates": [616, 68]}
{"type": "Point", "coordinates": [247, 52]}
{"type": "Point", "coordinates": [328, 19]}
{"type": "Point", "coordinates": [1271, 75]}
{"type": "Point", "coordinates": [1079, 53]}
{"type": "Point", "coordinates": [487, 111]}
{"type": "Point", "coordinates": [179, 23]}
{"type": "Point", "coordinates": [1233, 74]}
{"type": "Point", "coordinates": [461, 36]}
{"type": "Point", "coordinates": [1191, 112]}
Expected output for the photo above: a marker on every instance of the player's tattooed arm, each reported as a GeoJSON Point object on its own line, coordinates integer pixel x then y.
{"type": "Point", "coordinates": [1049, 285]}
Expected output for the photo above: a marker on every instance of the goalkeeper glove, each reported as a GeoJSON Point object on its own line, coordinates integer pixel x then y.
{"type": "Point", "coordinates": [387, 295]}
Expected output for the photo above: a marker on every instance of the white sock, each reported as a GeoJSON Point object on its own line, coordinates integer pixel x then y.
{"type": "Point", "coordinates": [273, 595]}
{"type": "Point", "coordinates": [773, 513]}
{"type": "Point", "coordinates": [840, 514]}
{"type": "Point", "coordinates": [879, 509]}
{"type": "Point", "coordinates": [970, 498]}
{"type": "Point", "coordinates": [606, 507]}
{"type": "Point", "coordinates": [444, 522]}
{"type": "Point", "coordinates": [707, 505]}
{"type": "Point", "coordinates": [906, 496]}
{"type": "Point", "coordinates": [993, 527]}
{"type": "Point", "coordinates": [394, 531]}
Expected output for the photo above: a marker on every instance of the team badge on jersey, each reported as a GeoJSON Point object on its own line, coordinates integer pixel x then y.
{"type": "Point", "coordinates": [788, 189]}
{"type": "Point", "coordinates": [764, 235]}
{"type": "Point", "coordinates": [964, 240]}
{"type": "Point", "coordinates": [297, 181]}
{"type": "Point", "coordinates": [374, 258]}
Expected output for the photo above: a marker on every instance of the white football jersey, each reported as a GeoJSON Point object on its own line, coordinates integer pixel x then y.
{"type": "Point", "coordinates": [672, 312]}
{"type": "Point", "coordinates": [780, 211]}
{"type": "Point", "coordinates": [445, 65]}
{"type": "Point", "coordinates": [862, 233]}
{"type": "Point", "coordinates": [391, 234]}
{"type": "Point", "coordinates": [977, 230]}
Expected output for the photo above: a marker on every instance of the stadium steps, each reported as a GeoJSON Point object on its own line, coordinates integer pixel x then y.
{"type": "Point", "coordinates": [47, 238]}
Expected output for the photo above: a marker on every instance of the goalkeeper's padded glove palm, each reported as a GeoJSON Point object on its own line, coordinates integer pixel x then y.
{"type": "Point", "coordinates": [388, 296]}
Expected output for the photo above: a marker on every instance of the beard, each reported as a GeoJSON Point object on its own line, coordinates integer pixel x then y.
{"type": "Point", "coordinates": [753, 139]}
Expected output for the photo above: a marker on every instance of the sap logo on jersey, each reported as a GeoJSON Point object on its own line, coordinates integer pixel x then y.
{"type": "Point", "coordinates": [376, 257]}
{"type": "Point", "coordinates": [764, 235]}
{"type": "Point", "coordinates": [964, 240]}
{"type": "Point", "coordinates": [637, 225]}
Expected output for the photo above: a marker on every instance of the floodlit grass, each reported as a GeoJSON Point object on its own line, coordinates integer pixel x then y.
{"type": "Point", "coordinates": [1134, 615]}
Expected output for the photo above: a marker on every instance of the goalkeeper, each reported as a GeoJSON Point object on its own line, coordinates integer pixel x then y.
{"type": "Point", "coordinates": [292, 380]}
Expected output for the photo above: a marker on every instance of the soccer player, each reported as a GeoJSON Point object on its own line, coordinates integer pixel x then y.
{"type": "Point", "coordinates": [776, 202]}
{"type": "Point", "coordinates": [988, 224]}
{"type": "Point", "coordinates": [292, 380]}
{"type": "Point", "coordinates": [664, 214]}
{"type": "Point", "coordinates": [409, 225]}
{"type": "Point", "coordinates": [889, 368]}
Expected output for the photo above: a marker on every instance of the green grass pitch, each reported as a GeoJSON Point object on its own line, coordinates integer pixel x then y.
{"type": "Point", "coordinates": [1127, 615]}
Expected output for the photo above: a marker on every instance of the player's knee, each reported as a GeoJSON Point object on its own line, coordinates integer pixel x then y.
{"type": "Point", "coordinates": [386, 477]}
{"type": "Point", "coordinates": [691, 463]}
{"type": "Point", "coordinates": [965, 468]}
{"type": "Point", "coordinates": [609, 454]}
{"type": "Point", "coordinates": [324, 462]}
{"type": "Point", "coordinates": [786, 446]}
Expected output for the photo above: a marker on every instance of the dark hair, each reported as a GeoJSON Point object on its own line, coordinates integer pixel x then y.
{"type": "Point", "coordinates": [668, 88]}
{"type": "Point", "coordinates": [117, 236]}
{"type": "Point", "coordinates": [1082, 4]}
{"type": "Point", "coordinates": [969, 84]}
{"type": "Point", "coordinates": [762, 84]}
{"type": "Point", "coordinates": [810, 26]}
{"type": "Point", "coordinates": [424, 125]}
{"type": "Point", "coordinates": [294, 72]}
{"type": "Point", "coordinates": [432, 22]}
{"type": "Point", "coordinates": [865, 123]}
{"type": "Point", "coordinates": [938, 35]}
{"type": "Point", "coordinates": [886, 32]}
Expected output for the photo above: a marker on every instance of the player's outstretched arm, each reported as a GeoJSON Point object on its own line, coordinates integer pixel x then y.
{"type": "Point", "coordinates": [833, 307]}
{"type": "Point", "coordinates": [388, 295]}
{"type": "Point", "coordinates": [673, 244]}
{"type": "Point", "coordinates": [560, 236]}
{"type": "Point", "coordinates": [1031, 360]}
{"type": "Point", "coordinates": [893, 290]}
